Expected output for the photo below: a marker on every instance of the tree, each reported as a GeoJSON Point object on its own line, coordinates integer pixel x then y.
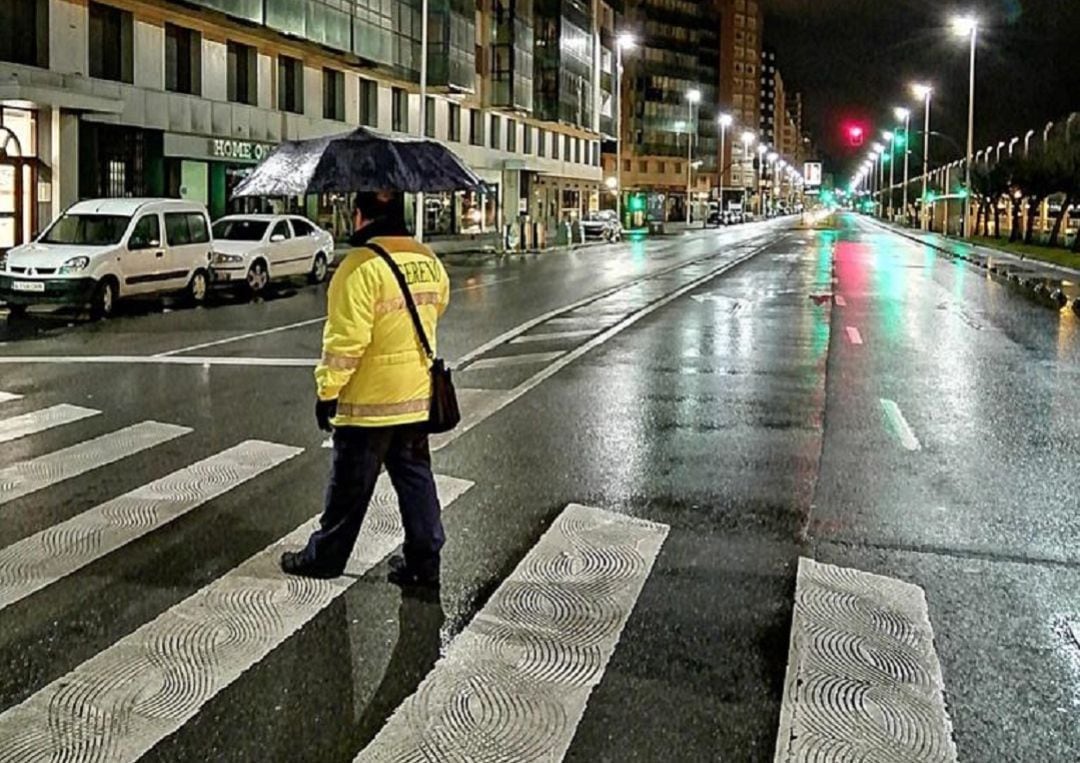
{"type": "Point", "coordinates": [1034, 174]}
{"type": "Point", "coordinates": [1063, 164]}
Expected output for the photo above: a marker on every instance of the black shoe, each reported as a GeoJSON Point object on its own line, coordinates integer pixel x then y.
{"type": "Point", "coordinates": [402, 575]}
{"type": "Point", "coordinates": [293, 563]}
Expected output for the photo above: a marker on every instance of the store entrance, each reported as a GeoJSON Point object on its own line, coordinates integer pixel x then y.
{"type": "Point", "coordinates": [11, 190]}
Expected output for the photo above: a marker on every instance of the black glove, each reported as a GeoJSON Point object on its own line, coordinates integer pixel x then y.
{"type": "Point", "coordinates": [325, 410]}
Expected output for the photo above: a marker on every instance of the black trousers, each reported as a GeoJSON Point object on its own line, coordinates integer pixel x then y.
{"type": "Point", "coordinates": [359, 454]}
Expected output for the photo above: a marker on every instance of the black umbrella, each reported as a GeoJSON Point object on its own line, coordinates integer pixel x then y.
{"type": "Point", "coordinates": [361, 160]}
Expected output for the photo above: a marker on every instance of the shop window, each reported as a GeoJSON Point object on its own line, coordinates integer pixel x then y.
{"type": "Point", "coordinates": [399, 110]}
{"type": "Point", "coordinates": [242, 75]}
{"type": "Point", "coordinates": [476, 127]}
{"type": "Point", "coordinates": [429, 117]}
{"type": "Point", "coordinates": [511, 135]}
{"type": "Point", "coordinates": [111, 46]}
{"type": "Point", "coordinates": [146, 234]}
{"type": "Point", "coordinates": [24, 32]}
{"type": "Point", "coordinates": [290, 85]}
{"type": "Point", "coordinates": [183, 60]}
{"type": "Point", "coordinates": [494, 133]}
{"type": "Point", "coordinates": [454, 120]}
{"type": "Point", "coordinates": [369, 102]}
{"type": "Point", "coordinates": [333, 94]}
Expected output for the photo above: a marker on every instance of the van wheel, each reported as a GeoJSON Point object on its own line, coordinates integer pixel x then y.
{"type": "Point", "coordinates": [318, 269]}
{"type": "Point", "coordinates": [196, 289]}
{"type": "Point", "coordinates": [257, 278]}
{"type": "Point", "coordinates": [103, 302]}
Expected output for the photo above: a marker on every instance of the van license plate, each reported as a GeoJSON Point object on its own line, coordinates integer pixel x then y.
{"type": "Point", "coordinates": [36, 286]}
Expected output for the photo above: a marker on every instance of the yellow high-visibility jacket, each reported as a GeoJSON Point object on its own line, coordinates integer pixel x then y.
{"type": "Point", "coordinates": [372, 361]}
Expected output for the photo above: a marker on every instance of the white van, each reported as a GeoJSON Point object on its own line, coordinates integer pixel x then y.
{"type": "Point", "coordinates": [102, 250]}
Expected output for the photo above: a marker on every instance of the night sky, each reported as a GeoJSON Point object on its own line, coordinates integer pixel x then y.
{"type": "Point", "coordinates": [854, 59]}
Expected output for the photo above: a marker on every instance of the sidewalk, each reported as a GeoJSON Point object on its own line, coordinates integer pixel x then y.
{"type": "Point", "coordinates": [1054, 285]}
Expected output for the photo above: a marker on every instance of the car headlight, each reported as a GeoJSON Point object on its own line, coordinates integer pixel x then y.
{"type": "Point", "coordinates": [224, 259]}
{"type": "Point", "coordinates": [75, 265]}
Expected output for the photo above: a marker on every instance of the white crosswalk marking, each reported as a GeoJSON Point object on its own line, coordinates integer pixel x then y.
{"type": "Point", "coordinates": [40, 560]}
{"type": "Point", "coordinates": [504, 361]}
{"type": "Point", "coordinates": [30, 476]}
{"type": "Point", "coordinates": [863, 679]}
{"type": "Point", "coordinates": [514, 684]}
{"type": "Point", "coordinates": [553, 336]}
{"type": "Point", "coordinates": [38, 421]}
{"type": "Point", "coordinates": [8, 396]}
{"type": "Point", "coordinates": [126, 699]}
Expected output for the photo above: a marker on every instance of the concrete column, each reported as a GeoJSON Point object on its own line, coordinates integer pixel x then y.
{"type": "Point", "coordinates": [64, 160]}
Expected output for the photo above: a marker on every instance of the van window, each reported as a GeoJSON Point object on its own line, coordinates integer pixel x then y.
{"type": "Point", "coordinates": [147, 230]}
{"type": "Point", "coordinates": [89, 230]}
{"type": "Point", "coordinates": [176, 228]}
{"type": "Point", "coordinates": [200, 233]}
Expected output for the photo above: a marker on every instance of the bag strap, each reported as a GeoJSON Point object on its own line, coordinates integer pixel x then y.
{"type": "Point", "coordinates": [409, 303]}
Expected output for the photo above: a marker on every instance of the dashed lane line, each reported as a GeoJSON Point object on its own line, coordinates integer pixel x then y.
{"type": "Point", "coordinates": [863, 680]}
{"type": "Point", "coordinates": [899, 425]}
{"type": "Point", "coordinates": [514, 684]}
{"type": "Point", "coordinates": [52, 554]}
{"type": "Point", "coordinates": [840, 301]}
{"type": "Point", "coordinates": [853, 335]}
{"type": "Point", "coordinates": [120, 703]}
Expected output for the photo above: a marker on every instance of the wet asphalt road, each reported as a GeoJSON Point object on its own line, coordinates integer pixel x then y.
{"type": "Point", "coordinates": [755, 415]}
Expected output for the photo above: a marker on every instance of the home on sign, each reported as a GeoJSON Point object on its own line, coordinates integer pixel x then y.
{"type": "Point", "coordinates": [243, 150]}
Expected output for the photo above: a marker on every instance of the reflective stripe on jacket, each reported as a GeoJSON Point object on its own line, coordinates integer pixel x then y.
{"type": "Point", "coordinates": [372, 361]}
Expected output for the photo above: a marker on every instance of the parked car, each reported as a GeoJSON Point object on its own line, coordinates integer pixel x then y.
{"type": "Point", "coordinates": [603, 224]}
{"type": "Point", "coordinates": [102, 250]}
{"type": "Point", "coordinates": [250, 251]}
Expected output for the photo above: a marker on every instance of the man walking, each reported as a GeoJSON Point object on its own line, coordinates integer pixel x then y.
{"type": "Point", "coordinates": [374, 390]}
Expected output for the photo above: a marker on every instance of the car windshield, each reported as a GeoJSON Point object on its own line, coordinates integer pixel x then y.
{"type": "Point", "coordinates": [88, 230]}
{"type": "Point", "coordinates": [240, 230]}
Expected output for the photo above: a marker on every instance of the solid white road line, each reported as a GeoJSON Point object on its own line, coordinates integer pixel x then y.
{"type": "Point", "coordinates": [8, 396]}
{"type": "Point", "coordinates": [513, 360]}
{"type": "Point", "coordinates": [40, 560]}
{"type": "Point", "coordinates": [174, 360]}
{"type": "Point", "coordinates": [899, 425]}
{"type": "Point", "coordinates": [853, 335]}
{"type": "Point", "coordinates": [553, 336]}
{"type": "Point", "coordinates": [120, 703]}
{"type": "Point", "coordinates": [863, 679]}
{"type": "Point", "coordinates": [36, 474]}
{"type": "Point", "coordinates": [840, 301]}
{"type": "Point", "coordinates": [513, 685]}
{"type": "Point", "coordinates": [39, 421]}
{"type": "Point", "coordinates": [241, 337]}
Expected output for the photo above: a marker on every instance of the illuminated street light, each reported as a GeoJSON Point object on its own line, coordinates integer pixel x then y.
{"type": "Point", "coordinates": [924, 92]}
{"type": "Point", "coordinates": [968, 26]}
{"type": "Point", "coordinates": [725, 121]}
{"type": "Point", "coordinates": [693, 98]}
{"type": "Point", "coordinates": [623, 41]}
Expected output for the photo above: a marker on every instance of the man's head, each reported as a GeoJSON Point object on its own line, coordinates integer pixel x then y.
{"type": "Point", "coordinates": [376, 205]}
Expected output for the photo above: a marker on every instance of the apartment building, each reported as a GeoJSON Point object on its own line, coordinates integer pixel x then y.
{"type": "Point", "coordinates": [742, 26]}
{"type": "Point", "coordinates": [152, 97]}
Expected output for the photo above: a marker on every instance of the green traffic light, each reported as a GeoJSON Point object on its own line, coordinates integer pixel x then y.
{"type": "Point", "coordinates": [636, 204]}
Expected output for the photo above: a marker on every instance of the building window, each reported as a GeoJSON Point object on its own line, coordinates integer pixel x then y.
{"type": "Point", "coordinates": [429, 116]}
{"type": "Point", "coordinates": [493, 131]}
{"type": "Point", "coordinates": [111, 47]}
{"type": "Point", "coordinates": [678, 168]}
{"type": "Point", "coordinates": [527, 139]}
{"type": "Point", "coordinates": [554, 145]}
{"type": "Point", "coordinates": [643, 166]}
{"type": "Point", "coordinates": [476, 127]}
{"type": "Point", "coordinates": [511, 135]}
{"type": "Point", "coordinates": [455, 123]}
{"type": "Point", "coordinates": [242, 76]}
{"type": "Point", "coordinates": [333, 90]}
{"type": "Point", "coordinates": [24, 32]}
{"type": "Point", "coordinates": [399, 110]}
{"type": "Point", "coordinates": [183, 60]}
{"type": "Point", "coordinates": [626, 165]}
{"type": "Point", "coordinates": [541, 142]}
{"type": "Point", "coordinates": [369, 102]}
{"type": "Point", "coordinates": [566, 152]}
{"type": "Point", "coordinates": [290, 85]}
{"type": "Point", "coordinates": [577, 150]}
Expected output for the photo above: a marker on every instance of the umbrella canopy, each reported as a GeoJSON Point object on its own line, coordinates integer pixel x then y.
{"type": "Point", "coordinates": [361, 160]}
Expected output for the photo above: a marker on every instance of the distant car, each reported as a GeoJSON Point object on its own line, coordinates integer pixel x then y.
{"type": "Point", "coordinates": [250, 251]}
{"type": "Point", "coordinates": [603, 224]}
{"type": "Point", "coordinates": [102, 250]}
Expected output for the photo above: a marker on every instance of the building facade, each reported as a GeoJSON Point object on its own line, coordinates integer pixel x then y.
{"type": "Point", "coordinates": [742, 29]}
{"type": "Point", "coordinates": [145, 97]}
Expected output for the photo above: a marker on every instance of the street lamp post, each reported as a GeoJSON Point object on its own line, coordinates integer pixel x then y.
{"type": "Point", "coordinates": [624, 41]}
{"type": "Point", "coordinates": [904, 116]}
{"type": "Point", "coordinates": [771, 159]}
{"type": "Point", "coordinates": [748, 139]}
{"type": "Point", "coordinates": [891, 137]}
{"type": "Point", "coordinates": [925, 93]}
{"type": "Point", "coordinates": [421, 209]}
{"type": "Point", "coordinates": [759, 179]}
{"type": "Point", "coordinates": [725, 121]}
{"type": "Point", "coordinates": [879, 160]}
{"type": "Point", "coordinates": [968, 26]}
{"type": "Point", "coordinates": [693, 98]}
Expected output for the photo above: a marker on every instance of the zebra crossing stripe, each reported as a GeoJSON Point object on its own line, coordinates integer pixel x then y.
{"type": "Point", "coordinates": [40, 560]}
{"type": "Point", "coordinates": [38, 421]}
{"type": "Point", "coordinates": [28, 477]}
{"type": "Point", "coordinates": [117, 705]}
{"type": "Point", "coordinates": [504, 361]}
{"type": "Point", "coordinates": [863, 679]}
{"type": "Point", "coordinates": [514, 684]}
{"type": "Point", "coordinates": [8, 396]}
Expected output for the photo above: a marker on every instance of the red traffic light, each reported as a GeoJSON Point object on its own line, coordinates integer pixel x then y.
{"type": "Point", "coordinates": [855, 135]}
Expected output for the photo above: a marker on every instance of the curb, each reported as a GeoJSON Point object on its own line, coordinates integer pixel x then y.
{"type": "Point", "coordinates": [1056, 298]}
